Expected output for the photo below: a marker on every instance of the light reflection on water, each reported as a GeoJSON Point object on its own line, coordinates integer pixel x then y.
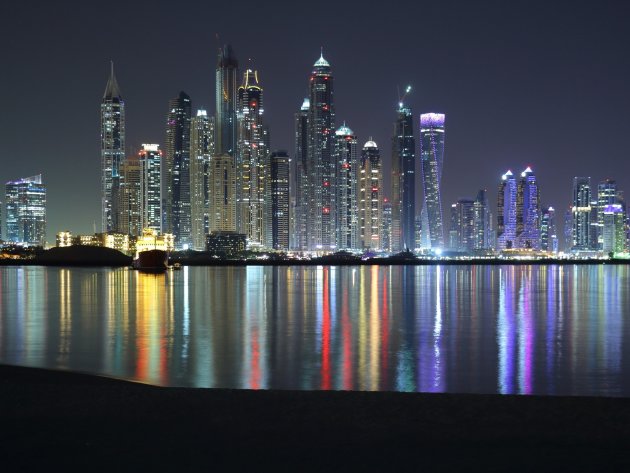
{"type": "Point", "coordinates": [505, 329]}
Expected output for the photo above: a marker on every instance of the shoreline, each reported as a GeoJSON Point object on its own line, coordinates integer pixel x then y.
{"type": "Point", "coordinates": [51, 416]}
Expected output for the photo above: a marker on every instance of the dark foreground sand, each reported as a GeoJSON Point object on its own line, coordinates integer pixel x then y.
{"type": "Point", "coordinates": [56, 421]}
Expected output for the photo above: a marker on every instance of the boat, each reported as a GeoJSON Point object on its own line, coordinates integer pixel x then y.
{"type": "Point", "coordinates": [151, 260]}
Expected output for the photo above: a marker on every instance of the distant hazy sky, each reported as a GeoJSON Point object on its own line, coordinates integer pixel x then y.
{"type": "Point", "coordinates": [545, 84]}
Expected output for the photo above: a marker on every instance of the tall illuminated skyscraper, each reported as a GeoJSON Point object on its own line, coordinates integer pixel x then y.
{"type": "Point", "coordinates": [201, 150]}
{"type": "Point", "coordinates": [279, 200]}
{"type": "Point", "coordinates": [225, 94]}
{"type": "Point", "coordinates": [506, 212]}
{"type": "Point", "coordinates": [222, 193]}
{"type": "Point", "coordinates": [528, 211]}
{"type": "Point", "coordinates": [581, 213]}
{"type": "Point", "coordinates": [482, 222]}
{"type": "Point", "coordinates": [346, 184]}
{"type": "Point", "coordinates": [252, 152]}
{"type": "Point", "coordinates": [607, 194]}
{"type": "Point", "coordinates": [129, 200]}
{"type": "Point", "coordinates": [301, 178]}
{"type": "Point", "coordinates": [432, 158]}
{"type": "Point", "coordinates": [613, 230]}
{"type": "Point", "coordinates": [112, 150]}
{"type": "Point", "coordinates": [26, 211]}
{"type": "Point", "coordinates": [371, 197]}
{"type": "Point", "coordinates": [150, 157]}
{"type": "Point", "coordinates": [403, 181]}
{"type": "Point", "coordinates": [320, 223]}
{"type": "Point", "coordinates": [548, 231]}
{"type": "Point", "coordinates": [176, 171]}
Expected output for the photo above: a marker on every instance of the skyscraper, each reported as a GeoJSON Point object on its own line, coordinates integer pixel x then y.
{"type": "Point", "coordinates": [279, 199]}
{"type": "Point", "coordinates": [151, 187]}
{"type": "Point", "coordinates": [482, 222]}
{"type": "Point", "coordinates": [548, 231]}
{"type": "Point", "coordinates": [466, 224]}
{"type": "Point", "coordinates": [320, 223]}
{"type": "Point", "coordinates": [225, 94]}
{"type": "Point", "coordinates": [112, 149]}
{"type": "Point", "coordinates": [506, 212]}
{"type": "Point", "coordinates": [26, 211]}
{"type": "Point", "coordinates": [607, 194]}
{"type": "Point", "coordinates": [346, 184]}
{"type": "Point", "coordinates": [614, 238]}
{"type": "Point", "coordinates": [528, 211]}
{"type": "Point", "coordinates": [387, 224]}
{"type": "Point", "coordinates": [201, 150]}
{"type": "Point", "coordinates": [403, 181]}
{"type": "Point", "coordinates": [301, 177]}
{"type": "Point", "coordinates": [130, 197]}
{"type": "Point", "coordinates": [252, 151]}
{"type": "Point", "coordinates": [176, 171]}
{"type": "Point", "coordinates": [371, 197]}
{"type": "Point", "coordinates": [222, 193]}
{"type": "Point", "coordinates": [432, 158]}
{"type": "Point", "coordinates": [581, 213]}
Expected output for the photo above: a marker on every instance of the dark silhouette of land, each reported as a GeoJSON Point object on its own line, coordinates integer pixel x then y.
{"type": "Point", "coordinates": [56, 419]}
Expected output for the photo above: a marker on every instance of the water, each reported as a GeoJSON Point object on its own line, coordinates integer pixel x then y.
{"type": "Point", "coordinates": [485, 329]}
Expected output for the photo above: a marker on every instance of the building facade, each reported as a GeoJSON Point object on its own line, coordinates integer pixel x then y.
{"type": "Point", "coordinates": [432, 159]}
{"type": "Point", "coordinates": [150, 157]}
{"type": "Point", "coordinates": [548, 231]}
{"type": "Point", "coordinates": [581, 214]}
{"type": "Point", "coordinates": [346, 183]}
{"type": "Point", "coordinates": [506, 212]}
{"type": "Point", "coordinates": [222, 194]}
{"type": "Point", "coordinates": [279, 166]}
{"type": "Point", "coordinates": [301, 178]}
{"type": "Point", "coordinates": [225, 95]}
{"type": "Point", "coordinates": [26, 211]}
{"type": "Point", "coordinates": [528, 211]}
{"type": "Point", "coordinates": [371, 198]}
{"type": "Point", "coordinates": [130, 197]}
{"type": "Point", "coordinates": [201, 151]}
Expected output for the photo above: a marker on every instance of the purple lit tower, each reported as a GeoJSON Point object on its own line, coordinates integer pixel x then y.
{"type": "Point", "coordinates": [432, 158]}
{"type": "Point", "coordinates": [506, 212]}
{"type": "Point", "coordinates": [528, 211]}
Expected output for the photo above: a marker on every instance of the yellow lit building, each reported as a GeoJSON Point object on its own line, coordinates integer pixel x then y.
{"type": "Point", "coordinates": [150, 240]}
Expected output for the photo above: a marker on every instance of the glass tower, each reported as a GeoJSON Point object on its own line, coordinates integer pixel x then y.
{"type": "Point", "coordinates": [506, 212]}
{"type": "Point", "coordinates": [371, 197]}
{"type": "Point", "coordinates": [201, 151]}
{"type": "Point", "coordinates": [403, 181]}
{"type": "Point", "coordinates": [151, 186]}
{"type": "Point", "coordinates": [320, 223]}
{"type": "Point", "coordinates": [581, 211]}
{"type": "Point", "coordinates": [225, 94]}
{"type": "Point", "coordinates": [279, 199]}
{"type": "Point", "coordinates": [112, 150]}
{"type": "Point", "coordinates": [26, 211]}
{"type": "Point", "coordinates": [347, 182]}
{"type": "Point", "coordinates": [528, 211]}
{"type": "Point", "coordinates": [176, 169]}
{"type": "Point", "coordinates": [301, 177]}
{"type": "Point", "coordinates": [432, 158]}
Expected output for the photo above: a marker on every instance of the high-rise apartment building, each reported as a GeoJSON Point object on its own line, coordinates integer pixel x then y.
{"type": "Point", "coordinates": [482, 222]}
{"type": "Point", "coordinates": [112, 150]}
{"type": "Point", "coordinates": [176, 171]}
{"type": "Point", "coordinates": [528, 211]}
{"type": "Point", "coordinates": [403, 181]}
{"type": "Point", "coordinates": [222, 193]}
{"type": "Point", "coordinates": [301, 178]}
{"type": "Point", "coordinates": [387, 225]}
{"type": "Point", "coordinates": [130, 197]}
{"type": "Point", "coordinates": [371, 197]}
{"type": "Point", "coordinates": [607, 194]}
{"type": "Point", "coordinates": [614, 237]}
{"type": "Point", "coordinates": [225, 94]}
{"type": "Point", "coordinates": [320, 223]}
{"type": "Point", "coordinates": [346, 184]}
{"type": "Point", "coordinates": [279, 166]}
{"type": "Point", "coordinates": [252, 151]}
{"type": "Point", "coordinates": [581, 218]}
{"type": "Point", "coordinates": [150, 158]}
{"type": "Point", "coordinates": [506, 212]}
{"type": "Point", "coordinates": [548, 231]}
{"type": "Point", "coordinates": [26, 211]}
{"type": "Point", "coordinates": [432, 159]}
{"type": "Point", "coordinates": [201, 151]}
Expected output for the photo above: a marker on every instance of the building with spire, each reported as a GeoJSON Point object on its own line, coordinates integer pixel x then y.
{"type": "Point", "coordinates": [528, 211]}
{"type": "Point", "coordinates": [346, 183]}
{"type": "Point", "coordinates": [201, 151]}
{"type": "Point", "coordinates": [320, 171]}
{"type": "Point", "coordinates": [176, 171]}
{"type": "Point", "coordinates": [371, 197]}
{"type": "Point", "coordinates": [301, 179]}
{"type": "Point", "coordinates": [403, 181]}
{"type": "Point", "coordinates": [252, 151]}
{"type": "Point", "coordinates": [432, 159]}
{"type": "Point", "coordinates": [112, 150]}
{"type": "Point", "coordinates": [506, 212]}
{"type": "Point", "coordinates": [225, 94]}
{"type": "Point", "coordinates": [26, 211]}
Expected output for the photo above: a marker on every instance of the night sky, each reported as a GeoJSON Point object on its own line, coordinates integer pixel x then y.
{"type": "Point", "coordinates": [522, 83]}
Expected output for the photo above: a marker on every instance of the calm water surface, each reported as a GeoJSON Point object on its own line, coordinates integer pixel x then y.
{"type": "Point", "coordinates": [483, 329]}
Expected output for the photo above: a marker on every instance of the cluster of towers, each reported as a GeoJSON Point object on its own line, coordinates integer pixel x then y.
{"type": "Point", "coordinates": [217, 174]}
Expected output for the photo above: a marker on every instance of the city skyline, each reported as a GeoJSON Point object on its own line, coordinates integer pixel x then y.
{"type": "Point", "coordinates": [566, 95]}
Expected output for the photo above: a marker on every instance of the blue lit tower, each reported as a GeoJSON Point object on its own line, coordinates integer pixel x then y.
{"type": "Point", "coordinates": [432, 159]}
{"type": "Point", "coordinates": [251, 159]}
{"type": "Point", "coordinates": [581, 214]}
{"type": "Point", "coordinates": [320, 225]}
{"type": "Point", "coordinates": [528, 211]}
{"type": "Point", "coordinates": [346, 184]}
{"type": "Point", "coordinates": [403, 181]}
{"type": "Point", "coordinates": [506, 212]}
{"type": "Point", "coordinates": [26, 211]}
{"type": "Point", "coordinates": [301, 181]}
{"type": "Point", "coordinates": [225, 94]}
{"type": "Point", "coordinates": [112, 150]}
{"type": "Point", "coordinates": [176, 171]}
